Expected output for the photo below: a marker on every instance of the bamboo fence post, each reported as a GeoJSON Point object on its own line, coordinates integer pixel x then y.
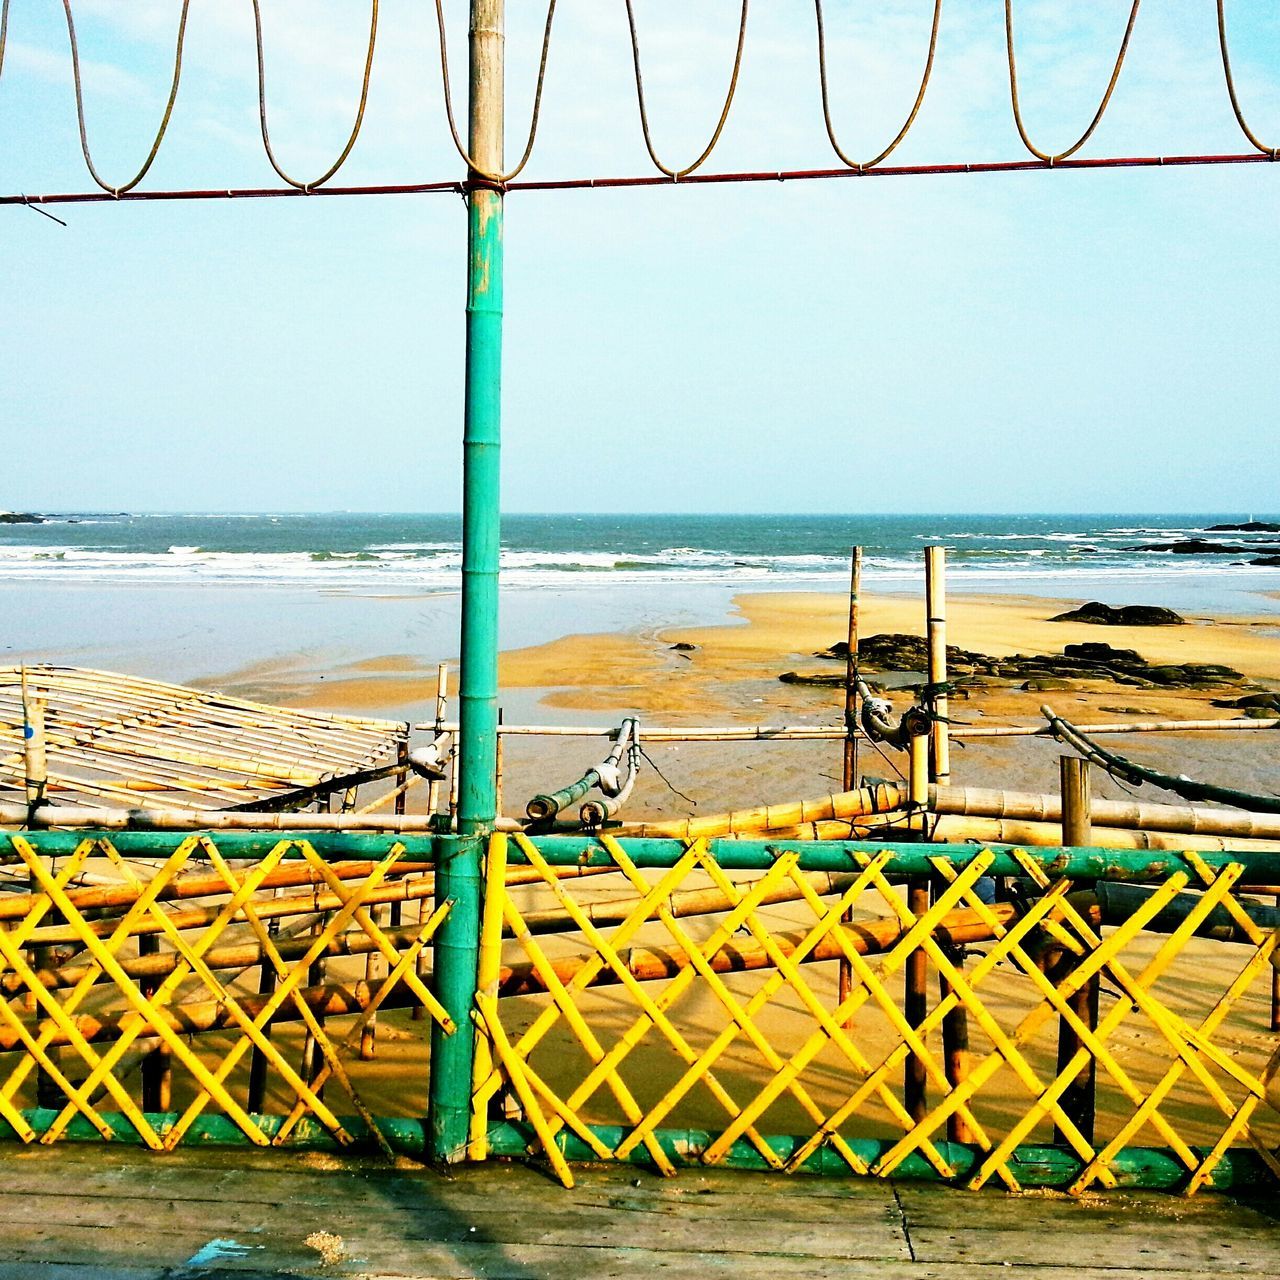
{"type": "Point", "coordinates": [918, 781]}
{"type": "Point", "coordinates": [417, 1013]}
{"type": "Point", "coordinates": [935, 593]}
{"type": "Point", "coordinates": [401, 807]}
{"type": "Point", "coordinates": [375, 969]}
{"type": "Point", "coordinates": [1275, 989]}
{"type": "Point", "coordinates": [256, 1099]}
{"type": "Point", "coordinates": [1078, 1098]}
{"type": "Point", "coordinates": [497, 776]}
{"type": "Point", "coordinates": [157, 1063]}
{"type": "Point", "coordinates": [955, 1025]}
{"type": "Point", "coordinates": [312, 1057]}
{"type": "Point", "coordinates": [36, 777]}
{"type": "Point", "coordinates": [442, 709]}
{"type": "Point", "coordinates": [849, 773]}
{"type": "Point", "coordinates": [916, 1003]}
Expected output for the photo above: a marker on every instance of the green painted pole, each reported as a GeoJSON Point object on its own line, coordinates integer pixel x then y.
{"type": "Point", "coordinates": [459, 876]}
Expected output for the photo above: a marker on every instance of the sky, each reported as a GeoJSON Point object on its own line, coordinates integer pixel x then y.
{"type": "Point", "coordinates": [1085, 342]}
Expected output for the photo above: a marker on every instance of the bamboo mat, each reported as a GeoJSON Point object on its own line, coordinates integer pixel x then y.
{"type": "Point", "coordinates": [116, 741]}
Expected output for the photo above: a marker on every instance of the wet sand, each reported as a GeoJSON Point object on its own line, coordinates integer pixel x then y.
{"type": "Point", "coordinates": [731, 678]}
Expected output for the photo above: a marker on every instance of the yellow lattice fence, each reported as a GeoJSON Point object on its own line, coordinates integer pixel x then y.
{"type": "Point", "coordinates": [676, 1036]}
{"type": "Point", "coordinates": [78, 1017]}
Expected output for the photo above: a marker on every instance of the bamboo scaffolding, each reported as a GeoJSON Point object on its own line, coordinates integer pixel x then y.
{"type": "Point", "coordinates": [110, 739]}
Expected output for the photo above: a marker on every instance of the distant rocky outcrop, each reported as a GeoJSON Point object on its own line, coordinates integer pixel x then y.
{"type": "Point", "coordinates": [1249, 526]}
{"type": "Point", "coordinates": [1267, 562]}
{"type": "Point", "coordinates": [1125, 615]}
{"type": "Point", "coordinates": [20, 517]}
{"type": "Point", "coordinates": [1202, 547]}
{"type": "Point", "coordinates": [1091, 660]}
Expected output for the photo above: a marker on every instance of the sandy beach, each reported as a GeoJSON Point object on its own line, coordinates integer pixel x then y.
{"type": "Point", "coordinates": [731, 677]}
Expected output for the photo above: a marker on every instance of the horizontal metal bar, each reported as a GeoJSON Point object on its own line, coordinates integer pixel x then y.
{"type": "Point", "coordinates": [648, 180]}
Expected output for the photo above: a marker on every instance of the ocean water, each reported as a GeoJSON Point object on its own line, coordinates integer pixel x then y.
{"type": "Point", "coordinates": [196, 597]}
{"type": "Point", "coordinates": [392, 553]}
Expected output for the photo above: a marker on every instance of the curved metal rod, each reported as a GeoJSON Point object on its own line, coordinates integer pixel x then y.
{"type": "Point", "coordinates": [915, 108]}
{"type": "Point", "coordinates": [4, 31]}
{"type": "Point", "coordinates": [724, 113]}
{"type": "Point", "coordinates": [1053, 158]}
{"type": "Point", "coordinates": [468, 159]}
{"type": "Point", "coordinates": [262, 102]}
{"type": "Point", "coordinates": [1273, 152]}
{"type": "Point", "coordinates": [1128, 771]}
{"type": "Point", "coordinates": [75, 75]}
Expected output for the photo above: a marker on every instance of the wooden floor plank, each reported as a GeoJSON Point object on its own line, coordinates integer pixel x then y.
{"type": "Point", "coordinates": [122, 1214]}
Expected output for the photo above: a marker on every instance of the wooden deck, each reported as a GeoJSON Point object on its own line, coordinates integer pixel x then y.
{"type": "Point", "coordinates": [121, 1214]}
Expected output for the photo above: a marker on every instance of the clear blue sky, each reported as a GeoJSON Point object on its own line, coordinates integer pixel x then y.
{"type": "Point", "coordinates": [1085, 342]}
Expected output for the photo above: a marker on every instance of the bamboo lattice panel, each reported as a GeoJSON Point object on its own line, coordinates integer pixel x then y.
{"type": "Point", "coordinates": [702, 1037]}
{"type": "Point", "coordinates": [86, 1001]}
{"type": "Point", "coordinates": [116, 741]}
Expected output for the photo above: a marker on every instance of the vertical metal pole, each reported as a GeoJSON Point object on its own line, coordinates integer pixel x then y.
{"type": "Point", "coordinates": [458, 874]}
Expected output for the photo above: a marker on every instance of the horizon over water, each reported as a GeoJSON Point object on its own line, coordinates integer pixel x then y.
{"type": "Point", "coordinates": [378, 552]}
{"type": "Point", "coordinates": [192, 597]}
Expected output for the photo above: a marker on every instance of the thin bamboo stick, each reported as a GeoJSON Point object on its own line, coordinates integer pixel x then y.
{"type": "Point", "coordinates": [836, 733]}
{"type": "Point", "coordinates": [1078, 1097]}
{"type": "Point", "coordinates": [935, 594]}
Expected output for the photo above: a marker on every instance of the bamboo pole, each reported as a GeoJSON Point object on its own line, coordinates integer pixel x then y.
{"type": "Point", "coordinates": [836, 733]}
{"type": "Point", "coordinates": [257, 1093]}
{"type": "Point", "coordinates": [849, 771]}
{"type": "Point", "coordinates": [157, 1063]}
{"type": "Point", "coordinates": [1139, 815]}
{"type": "Point", "coordinates": [935, 594]}
{"type": "Point", "coordinates": [442, 708]}
{"type": "Point", "coordinates": [962, 830]}
{"type": "Point", "coordinates": [33, 745]}
{"type": "Point", "coordinates": [916, 1005]}
{"type": "Point", "coordinates": [1078, 1097]}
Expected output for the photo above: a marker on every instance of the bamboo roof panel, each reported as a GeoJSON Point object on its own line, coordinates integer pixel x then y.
{"type": "Point", "coordinates": [119, 741]}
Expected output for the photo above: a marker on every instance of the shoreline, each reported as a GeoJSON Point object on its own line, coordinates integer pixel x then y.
{"type": "Point", "coordinates": [733, 670]}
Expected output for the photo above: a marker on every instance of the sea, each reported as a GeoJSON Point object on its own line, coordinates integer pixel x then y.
{"type": "Point", "coordinates": [194, 593]}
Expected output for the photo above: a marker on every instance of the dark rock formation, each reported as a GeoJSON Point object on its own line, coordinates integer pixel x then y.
{"type": "Point", "coordinates": [1249, 526]}
{"type": "Point", "coordinates": [20, 517]}
{"type": "Point", "coordinates": [684, 647]}
{"type": "Point", "coordinates": [1126, 615]}
{"type": "Point", "coordinates": [1091, 660]}
{"type": "Point", "coordinates": [1201, 547]}
{"type": "Point", "coordinates": [1252, 702]}
{"type": "Point", "coordinates": [1267, 562]}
